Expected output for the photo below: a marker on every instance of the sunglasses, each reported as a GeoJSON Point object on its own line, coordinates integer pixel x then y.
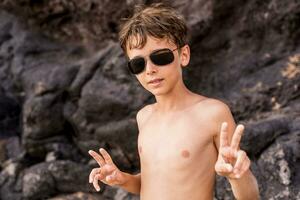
{"type": "Point", "coordinates": [160, 57]}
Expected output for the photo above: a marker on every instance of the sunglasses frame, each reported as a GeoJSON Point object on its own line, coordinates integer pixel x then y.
{"type": "Point", "coordinates": [149, 58]}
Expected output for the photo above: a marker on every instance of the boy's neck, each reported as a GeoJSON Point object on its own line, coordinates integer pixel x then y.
{"type": "Point", "coordinates": [176, 100]}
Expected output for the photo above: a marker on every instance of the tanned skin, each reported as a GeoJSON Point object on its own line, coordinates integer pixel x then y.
{"type": "Point", "coordinates": [184, 140]}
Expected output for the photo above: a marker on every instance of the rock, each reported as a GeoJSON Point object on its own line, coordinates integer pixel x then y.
{"type": "Point", "coordinates": [279, 166]}
{"type": "Point", "coordinates": [78, 196]}
{"type": "Point", "coordinates": [263, 133]}
{"type": "Point", "coordinates": [10, 187]}
{"type": "Point", "coordinates": [3, 156]}
{"type": "Point", "coordinates": [119, 194]}
{"type": "Point", "coordinates": [50, 157]}
{"type": "Point", "coordinates": [9, 116]}
{"type": "Point", "coordinates": [73, 21]}
{"type": "Point", "coordinates": [38, 185]}
{"type": "Point", "coordinates": [47, 179]}
{"type": "Point", "coordinates": [10, 148]}
{"type": "Point", "coordinates": [123, 195]}
{"type": "Point", "coordinates": [65, 89]}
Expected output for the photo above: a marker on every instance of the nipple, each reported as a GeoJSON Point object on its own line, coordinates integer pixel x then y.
{"type": "Point", "coordinates": [140, 149]}
{"type": "Point", "coordinates": [185, 153]}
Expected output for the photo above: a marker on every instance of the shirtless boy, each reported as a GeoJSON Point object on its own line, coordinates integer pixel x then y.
{"type": "Point", "coordinates": [185, 139]}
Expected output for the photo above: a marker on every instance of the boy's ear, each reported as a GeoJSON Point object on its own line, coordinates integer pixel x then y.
{"type": "Point", "coordinates": [185, 55]}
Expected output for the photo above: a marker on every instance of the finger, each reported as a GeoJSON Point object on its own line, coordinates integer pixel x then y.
{"type": "Point", "coordinates": [241, 158]}
{"type": "Point", "coordinates": [106, 170]}
{"type": "Point", "coordinates": [223, 168]}
{"type": "Point", "coordinates": [245, 168]}
{"type": "Point", "coordinates": [93, 173]}
{"type": "Point", "coordinates": [224, 135]}
{"type": "Point", "coordinates": [97, 157]}
{"type": "Point", "coordinates": [227, 154]}
{"type": "Point", "coordinates": [96, 183]}
{"type": "Point", "coordinates": [236, 138]}
{"type": "Point", "coordinates": [106, 156]}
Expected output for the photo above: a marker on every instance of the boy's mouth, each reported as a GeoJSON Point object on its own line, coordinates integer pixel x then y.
{"type": "Point", "coordinates": [157, 80]}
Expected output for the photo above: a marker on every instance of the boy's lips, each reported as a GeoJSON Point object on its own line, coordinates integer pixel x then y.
{"type": "Point", "coordinates": [157, 80]}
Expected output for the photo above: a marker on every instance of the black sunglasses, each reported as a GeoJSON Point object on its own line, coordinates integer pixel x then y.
{"type": "Point", "coordinates": [158, 57]}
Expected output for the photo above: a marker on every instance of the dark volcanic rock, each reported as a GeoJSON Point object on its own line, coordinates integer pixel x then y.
{"type": "Point", "coordinates": [279, 167]}
{"type": "Point", "coordinates": [59, 99]}
{"type": "Point", "coordinates": [78, 196]}
{"type": "Point", "coordinates": [46, 179]}
{"type": "Point", "coordinates": [9, 116]}
{"type": "Point", "coordinates": [263, 133]}
{"type": "Point", "coordinates": [10, 183]}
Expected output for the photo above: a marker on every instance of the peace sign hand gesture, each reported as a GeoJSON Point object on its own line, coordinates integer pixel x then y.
{"type": "Point", "coordinates": [108, 172]}
{"type": "Point", "coordinates": [232, 162]}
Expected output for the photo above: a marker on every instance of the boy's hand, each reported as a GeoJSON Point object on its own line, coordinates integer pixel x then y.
{"type": "Point", "coordinates": [232, 162]}
{"type": "Point", "coordinates": [108, 173]}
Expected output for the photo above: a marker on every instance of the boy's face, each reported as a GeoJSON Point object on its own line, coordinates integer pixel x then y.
{"type": "Point", "coordinates": [169, 75]}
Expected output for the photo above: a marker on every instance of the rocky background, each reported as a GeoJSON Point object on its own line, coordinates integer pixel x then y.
{"type": "Point", "coordinates": [65, 89]}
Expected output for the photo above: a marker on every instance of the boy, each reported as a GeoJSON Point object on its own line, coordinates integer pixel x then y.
{"type": "Point", "coordinates": [184, 138]}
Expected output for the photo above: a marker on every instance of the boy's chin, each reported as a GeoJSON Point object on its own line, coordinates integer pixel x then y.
{"type": "Point", "coordinates": [158, 92]}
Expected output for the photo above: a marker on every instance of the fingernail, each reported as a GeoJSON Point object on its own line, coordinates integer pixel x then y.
{"type": "Point", "coordinates": [98, 189]}
{"type": "Point", "coordinates": [229, 168]}
{"type": "Point", "coordinates": [235, 154]}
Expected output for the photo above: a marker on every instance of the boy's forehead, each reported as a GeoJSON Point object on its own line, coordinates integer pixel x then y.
{"type": "Point", "coordinates": [151, 43]}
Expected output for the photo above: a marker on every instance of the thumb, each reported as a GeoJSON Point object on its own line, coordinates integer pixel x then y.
{"type": "Point", "coordinates": [223, 169]}
{"type": "Point", "coordinates": [116, 178]}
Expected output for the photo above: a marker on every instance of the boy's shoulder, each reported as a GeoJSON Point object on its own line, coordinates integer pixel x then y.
{"type": "Point", "coordinates": [212, 104]}
{"type": "Point", "coordinates": [143, 114]}
{"type": "Point", "coordinates": [213, 110]}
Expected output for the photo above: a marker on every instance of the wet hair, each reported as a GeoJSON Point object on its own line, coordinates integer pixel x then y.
{"type": "Point", "coordinates": [157, 20]}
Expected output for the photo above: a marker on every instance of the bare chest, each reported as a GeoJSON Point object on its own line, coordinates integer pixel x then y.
{"type": "Point", "coordinates": [176, 143]}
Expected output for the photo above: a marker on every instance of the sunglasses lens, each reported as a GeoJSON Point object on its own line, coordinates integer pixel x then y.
{"type": "Point", "coordinates": [136, 65]}
{"type": "Point", "coordinates": [162, 57]}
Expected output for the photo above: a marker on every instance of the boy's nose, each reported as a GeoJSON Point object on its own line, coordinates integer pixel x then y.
{"type": "Point", "coordinates": [151, 68]}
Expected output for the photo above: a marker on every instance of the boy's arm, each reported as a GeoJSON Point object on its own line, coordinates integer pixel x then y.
{"type": "Point", "coordinates": [245, 187]}
{"type": "Point", "coordinates": [108, 172]}
{"type": "Point", "coordinates": [233, 163]}
{"type": "Point", "coordinates": [132, 184]}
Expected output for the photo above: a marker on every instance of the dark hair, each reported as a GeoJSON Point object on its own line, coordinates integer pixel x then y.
{"type": "Point", "coordinates": [157, 20]}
